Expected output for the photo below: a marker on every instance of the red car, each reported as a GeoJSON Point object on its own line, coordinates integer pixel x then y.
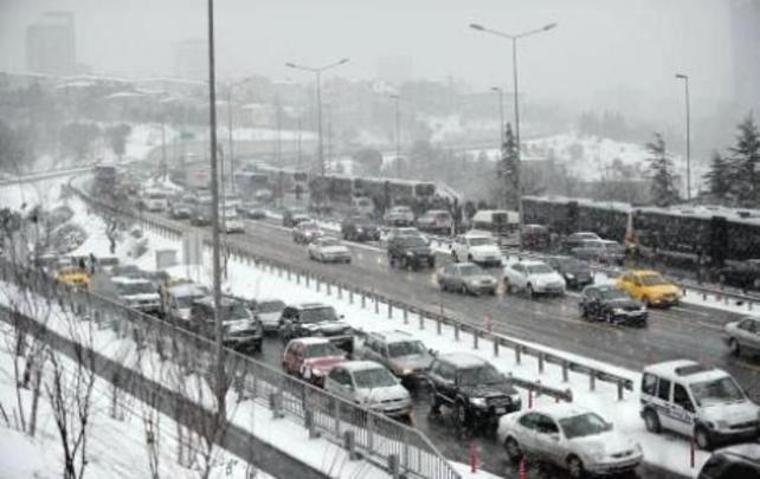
{"type": "Point", "coordinates": [311, 359]}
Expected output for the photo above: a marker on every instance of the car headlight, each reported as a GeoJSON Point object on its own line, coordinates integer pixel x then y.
{"type": "Point", "coordinates": [569, 276]}
{"type": "Point", "coordinates": [410, 253]}
{"type": "Point", "coordinates": [721, 424]}
{"type": "Point", "coordinates": [515, 398]}
{"type": "Point", "coordinates": [618, 311]}
{"type": "Point", "coordinates": [406, 371]}
{"type": "Point", "coordinates": [478, 402]}
{"type": "Point", "coordinates": [359, 230]}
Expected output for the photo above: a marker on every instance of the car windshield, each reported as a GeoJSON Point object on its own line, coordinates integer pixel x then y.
{"type": "Point", "coordinates": [611, 294]}
{"type": "Point", "coordinates": [316, 315]}
{"type": "Point", "coordinates": [583, 425]}
{"type": "Point", "coordinates": [585, 236]}
{"type": "Point", "coordinates": [310, 226]}
{"type": "Point", "coordinates": [717, 391]}
{"type": "Point", "coordinates": [484, 374]}
{"type": "Point", "coordinates": [481, 241]}
{"type": "Point", "coordinates": [127, 289]}
{"type": "Point", "coordinates": [571, 264]}
{"type": "Point", "coordinates": [538, 269]}
{"type": "Point", "coordinates": [652, 279]}
{"type": "Point", "coordinates": [470, 270]}
{"type": "Point", "coordinates": [235, 311]}
{"type": "Point", "coordinates": [270, 306]}
{"type": "Point", "coordinates": [374, 378]}
{"type": "Point", "coordinates": [413, 241]}
{"type": "Point", "coordinates": [405, 348]}
{"type": "Point", "coordinates": [321, 350]}
{"type": "Point", "coordinates": [330, 242]}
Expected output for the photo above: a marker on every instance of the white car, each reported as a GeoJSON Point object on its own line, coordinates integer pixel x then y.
{"type": "Point", "coordinates": [233, 225]}
{"type": "Point", "coordinates": [371, 385]}
{"type": "Point", "coordinates": [137, 293]}
{"type": "Point", "coordinates": [329, 250]}
{"type": "Point", "coordinates": [478, 248]}
{"type": "Point", "coordinates": [571, 437]}
{"type": "Point", "coordinates": [533, 277]}
{"type": "Point", "coordinates": [399, 216]}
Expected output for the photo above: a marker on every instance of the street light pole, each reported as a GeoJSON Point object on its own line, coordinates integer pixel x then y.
{"type": "Point", "coordinates": [685, 78]}
{"type": "Point", "coordinates": [396, 98]}
{"type": "Point", "coordinates": [318, 72]}
{"type": "Point", "coordinates": [518, 165]}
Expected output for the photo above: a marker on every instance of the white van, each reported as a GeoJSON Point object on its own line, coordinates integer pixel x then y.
{"type": "Point", "coordinates": [697, 401]}
{"type": "Point", "coordinates": [502, 223]}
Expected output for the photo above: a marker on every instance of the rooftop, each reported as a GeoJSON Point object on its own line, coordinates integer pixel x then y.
{"type": "Point", "coordinates": [462, 360]}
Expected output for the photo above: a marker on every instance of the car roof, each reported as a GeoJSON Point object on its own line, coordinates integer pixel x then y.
{"type": "Point", "coordinates": [462, 360]}
{"type": "Point", "coordinates": [226, 301]}
{"type": "Point", "coordinates": [308, 341]}
{"type": "Point", "coordinates": [478, 234]}
{"type": "Point", "coordinates": [532, 262]}
{"type": "Point", "coordinates": [643, 272]}
{"type": "Point", "coordinates": [354, 366]}
{"type": "Point", "coordinates": [746, 451]}
{"type": "Point", "coordinates": [129, 280]}
{"type": "Point", "coordinates": [187, 289]}
{"type": "Point", "coordinates": [560, 410]}
{"type": "Point", "coordinates": [310, 305]}
{"type": "Point", "coordinates": [392, 336]}
{"type": "Point", "coordinates": [686, 370]}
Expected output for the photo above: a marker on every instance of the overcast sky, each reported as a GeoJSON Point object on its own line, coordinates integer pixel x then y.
{"type": "Point", "coordinates": [599, 45]}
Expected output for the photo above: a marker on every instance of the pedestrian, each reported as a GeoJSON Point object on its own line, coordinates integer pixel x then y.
{"type": "Point", "coordinates": [93, 263]}
{"type": "Point", "coordinates": [82, 266]}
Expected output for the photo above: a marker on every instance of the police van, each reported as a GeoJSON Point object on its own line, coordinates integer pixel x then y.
{"type": "Point", "coordinates": [697, 401]}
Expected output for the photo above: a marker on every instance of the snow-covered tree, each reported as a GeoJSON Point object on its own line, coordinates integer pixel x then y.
{"type": "Point", "coordinates": [663, 188]}
{"type": "Point", "coordinates": [718, 179]}
{"type": "Point", "coordinates": [745, 160]}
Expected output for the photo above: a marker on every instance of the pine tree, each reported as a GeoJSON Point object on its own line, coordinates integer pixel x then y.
{"type": "Point", "coordinates": [745, 160]}
{"type": "Point", "coordinates": [663, 188]}
{"type": "Point", "coordinates": [507, 169]}
{"type": "Point", "coordinates": [718, 179]}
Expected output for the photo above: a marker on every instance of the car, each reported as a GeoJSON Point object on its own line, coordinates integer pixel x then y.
{"type": "Point", "coordinates": [253, 211]}
{"type": "Point", "coordinates": [269, 312]}
{"type": "Point", "coordinates": [154, 201]}
{"type": "Point", "coordinates": [399, 231]}
{"type": "Point", "coordinates": [400, 352]}
{"type": "Point", "coordinates": [137, 293]}
{"type": "Point", "coordinates": [306, 231]}
{"type": "Point", "coordinates": [743, 336]}
{"type": "Point", "coordinates": [399, 216]}
{"type": "Point", "coordinates": [472, 388]}
{"type": "Point", "coordinates": [467, 278]}
{"type": "Point", "coordinates": [650, 287]}
{"type": "Point", "coordinates": [478, 248]}
{"type": "Point", "coordinates": [359, 228]}
{"type": "Point", "coordinates": [177, 300]}
{"type": "Point", "coordinates": [697, 401]}
{"type": "Point", "coordinates": [180, 211]}
{"type": "Point", "coordinates": [533, 277]}
{"type": "Point", "coordinates": [743, 274]}
{"type": "Point", "coordinates": [601, 251]}
{"type": "Point", "coordinates": [315, 319]}
{"type": "Point", "coordinates": [436, 221]}
{"type": "Point", "coordinates": [536, 237]}
{"type": "Point", "coordinates": [571, 437]}
{"type": "Point", "coordinates": [410, 252]}
{"type": "Point", "coordinates": [612, 305]}
{"type": "Point", "coordinates": [733, 462]}
{"type": "Point", "coordinates": [292, 216]}
{"type": "Point", "coordinates": [73, 276]}
{"type": "Point", "coordinates": [311, 359]}
{"type": "Point", "coordinates": [370, 385]}
{"type": "Point", "coordinates": [577, 273]}
{"type": "Point", "coordinates": [201, 216]}
{"type": "Point", "coordinates": [329, 250]}
{"type": "Point", "coordinates": [231, 224]}
{"type": "Point", "coordinates": [575, 240]}
{"type": "Point", "coordinates": [242, 330]}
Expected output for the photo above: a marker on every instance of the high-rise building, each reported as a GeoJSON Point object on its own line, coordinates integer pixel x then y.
{"type": "Point", "coordinates": [190, 61]}
{"type": "Point", "coordinates": [50, 44]}
{"type": "Point", "coordinates": [745, 33]}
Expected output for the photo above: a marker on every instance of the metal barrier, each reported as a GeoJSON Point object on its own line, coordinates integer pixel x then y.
{"type": "Point", "coordinates": [375, 437]}
{"type": "Point", "coordinates": [242, 249]}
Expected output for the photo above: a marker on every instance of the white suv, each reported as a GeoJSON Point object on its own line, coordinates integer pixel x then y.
{"type": "Point", "coordinates": [478, 248]}
{"type": "Point", "coordinates": [533, 277]}
{"type": "Point", "coordinates": [697, 401]}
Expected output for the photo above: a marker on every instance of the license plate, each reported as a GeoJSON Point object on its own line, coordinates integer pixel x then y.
{"type": "Point", "coordinates": [500, 410]}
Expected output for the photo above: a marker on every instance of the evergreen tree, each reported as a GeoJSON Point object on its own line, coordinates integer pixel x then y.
{"type": "Point", "coordinates": [507, 169]}
{"type": "Point", "coordinates": [745, 159]}
{"type": "Point", "coordinates": [663, 188]}
{"type": "Point", "coordinates": [718, 179]}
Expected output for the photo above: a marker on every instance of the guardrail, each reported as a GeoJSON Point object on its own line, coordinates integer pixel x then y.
{"type": "Point", "coordinates": [478, 333]}
{"type": "Point", "coordinates": [44, 175]}
{"type": "Point", "coordinates": [364, 434]}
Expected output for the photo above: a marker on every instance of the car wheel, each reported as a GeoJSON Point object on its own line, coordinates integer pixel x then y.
{"type": "Point", "coordinates": [514, 453]}
{"type": "Point", "coordinates": [608, 318]}
{"type": "Point", "coordinates": [469, 258]}
{"type": "Point", "coordinates": [645, 300]}
{"type": "Point", "coordinates": [702, 438]}
{"type": "Point", "coordinates": [733, 346]}
{"type": "Point", "coordinates": [435, 403]}
{"type": "Point", "coordinates": [652, 421]}
{"type": "Point", "coordinates": [507, 286]}
{"type": "Point", "coordinates": [584, 312]}
{"type": "Point", "coordinates": [463, 289]}
{"type": "Point", "coordinates": [575, 467]}
{"type": "Point", "coordinates": [460, 415]}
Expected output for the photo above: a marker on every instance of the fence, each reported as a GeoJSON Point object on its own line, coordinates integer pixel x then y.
{"type": "Point", "coordinates": [387, 443]}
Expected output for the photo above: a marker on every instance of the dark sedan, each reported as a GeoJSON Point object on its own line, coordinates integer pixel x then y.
{"type": "Point", "coordinates": [612, 305]}
{"type": "Point", "coordinates": [359, 228]}
{"type": "Point", "coordinates": [577, 273]}
{"type": "Point", "coordinates": [744, 274]}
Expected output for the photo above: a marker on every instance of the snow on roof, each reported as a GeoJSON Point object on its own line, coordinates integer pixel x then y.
{"type": "Point", "coordinates": [129, 280]}
{"type": "Point", "coordinates": [686, 369]}
{"type": "Point", "coordinates": [562, 409]}
{"type": "Point", "coordinates": [462, 360]}
{"type": "Point", "coordinates": [354, 366]}
{"type": "Point", "coordinates": [188, 289]}
{"type": "Point", "coordinates": [309, 341]}
{"type": "Point", "coordinates": [392, 336]}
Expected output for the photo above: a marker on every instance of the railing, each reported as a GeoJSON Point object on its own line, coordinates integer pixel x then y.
{"type": "Point", "coordinates": [543, 356]}
{"type": "Point", "coordinates": [387, 443]}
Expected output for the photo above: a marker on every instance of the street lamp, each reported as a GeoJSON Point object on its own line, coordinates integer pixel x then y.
{"type": "Point", "coordinates": [513, 39]}
{"type": "Point", "coordinates": [685, 79]}
{"type": "Point", "coordinates": [318, 72]}
{"type": "Point", "coordinates": [500, 91]}
{"type": "Point", "coordinates": [396, 99]}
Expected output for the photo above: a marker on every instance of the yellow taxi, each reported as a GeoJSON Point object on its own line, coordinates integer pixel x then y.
{"type": "Point", "coordinates": [650, 287]}
{"type": "Point", "coordinates": [73, 276]}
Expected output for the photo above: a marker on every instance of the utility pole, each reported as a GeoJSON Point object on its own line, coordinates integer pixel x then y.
{"type": "Point", "coordinates": [685, 78]}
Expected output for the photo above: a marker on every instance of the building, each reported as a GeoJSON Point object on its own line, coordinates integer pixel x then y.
{"type": "Point", "coordinates": [190, 59]}
{"type": "Point", "coordinates": [50, 44]}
